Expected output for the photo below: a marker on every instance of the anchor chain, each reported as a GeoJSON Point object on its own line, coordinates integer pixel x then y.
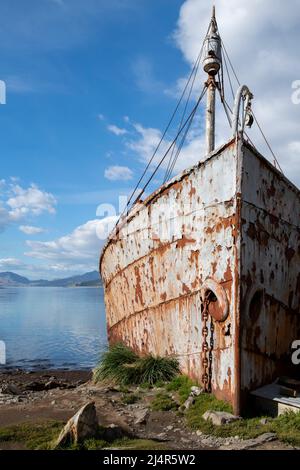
{"type": "Point", "coordinates": [210, 355]}
{"type": "Point", "coordinates": [207, 349]}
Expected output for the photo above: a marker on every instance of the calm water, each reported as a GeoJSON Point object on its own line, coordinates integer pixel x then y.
{"type": "Point", "coordinates": [52, 327]}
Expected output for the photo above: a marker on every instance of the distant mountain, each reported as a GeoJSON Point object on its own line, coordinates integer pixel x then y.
{"type": "Point", "coordinates": [12, 279]}
{"type": "Point", "coordinates": [9, 279]}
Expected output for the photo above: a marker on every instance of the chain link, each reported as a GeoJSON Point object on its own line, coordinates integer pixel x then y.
{"type": "Point", "coordinates": [207, 350]}
{"type": "Point", "coordinates": [210, 355]}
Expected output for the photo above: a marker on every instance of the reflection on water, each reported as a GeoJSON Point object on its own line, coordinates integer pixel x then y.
{"type": "Point", "coordinates": [52, 327]}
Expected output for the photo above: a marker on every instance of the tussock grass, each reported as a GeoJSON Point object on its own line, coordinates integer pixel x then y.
{"type": "Point", "coordinates": [153, 370]}
{"type": "Point", "coordinates": [121, 365]}
{"type": "Point", "coordinates": [116, 366]}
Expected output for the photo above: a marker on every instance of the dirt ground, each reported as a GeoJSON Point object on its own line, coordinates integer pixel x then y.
{"type": "Point", "coordinates": [37, 397]}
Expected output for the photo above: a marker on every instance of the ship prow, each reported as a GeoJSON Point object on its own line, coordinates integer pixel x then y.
{"type": "Point", "coordinates": [206, 268]}
{"type": "Point", "coordinates": [228, 227]}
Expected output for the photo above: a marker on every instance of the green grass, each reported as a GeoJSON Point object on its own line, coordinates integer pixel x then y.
{"type": "Point", "coordinates": [286, 427]}
{"type": "Point", "coordinates": [157, 370]}
{"type": "Point", "coordinates": [182, 385]}
{"type": "Point", "coordinates": [138, 444]}
{"type": "Point", "coordinates": [163, 402]}
{"type": "Point", "coordinates": [33, 436]}
{"type": "Point", "coordinates": [43, 435]}
{"type": "Point", "coordinates": [130, 398]}
{"type": "Point", "coordinates": [121, 365]}
{"type": "Point", "coordinates": [116, 365]}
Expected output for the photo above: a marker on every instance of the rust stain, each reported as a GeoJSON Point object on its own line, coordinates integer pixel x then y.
{"type": "Point", "coordinates": [184, 241]}
{"type": "Point", "coordinates": [239, 224]}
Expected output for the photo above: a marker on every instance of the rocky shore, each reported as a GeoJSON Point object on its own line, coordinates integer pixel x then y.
{"type": "Point", "coordinates": [37, 397]}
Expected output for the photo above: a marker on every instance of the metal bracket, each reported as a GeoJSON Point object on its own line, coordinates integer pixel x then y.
{"type": "Point", "coordinates": [244, 94]}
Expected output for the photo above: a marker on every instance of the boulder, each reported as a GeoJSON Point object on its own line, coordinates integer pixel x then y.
{"type": "Point", "coordinates": [113, 432]}
{"type": "Point", "coordinates": [82, 425]}
{"type": "Point", "coordinates": [196, 391]}
{"type": "Point", "coordinates": [218, 418]}
{"type": "Point", "coordinates": [141, 416]}
{"type": "Point", "coordinates": [10, 389]}
{"type": "Point", "coordinates": [189, 402]}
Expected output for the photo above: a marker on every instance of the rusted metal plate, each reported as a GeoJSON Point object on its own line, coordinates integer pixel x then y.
{"type": "Point", "coordinates": [233, 219]}
{"type": "Point", "coordinates": [154, 272]}
{"type": "Point", "coordinates": [270, 271]}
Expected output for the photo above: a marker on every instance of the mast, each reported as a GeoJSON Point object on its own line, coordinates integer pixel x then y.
{"type": "Point", "coordinates": [211, 64]}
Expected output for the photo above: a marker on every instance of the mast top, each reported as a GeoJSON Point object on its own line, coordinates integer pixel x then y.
{"type": "Point", "coordinates": [212, 57]}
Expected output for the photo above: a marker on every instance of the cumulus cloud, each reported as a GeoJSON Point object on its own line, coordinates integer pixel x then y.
{"type": "Point", "coordinates": [118, 173]}
{"type": "Point", "coordinates": [18, 204]}
{"type": "Point", "coordinates": [145, 141]}
{"type": "Point", "coordinates": [30, 201]}
{"type": "Point", "coordinates": [83, 245]}
{"type": "Point", "coordinates": [116, 130]}
{"type": "Point", "coordinates": [30, 230]}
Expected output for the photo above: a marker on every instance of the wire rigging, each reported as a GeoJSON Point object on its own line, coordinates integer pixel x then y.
{"type": "Point", "coordinates": [184, 137]}
{"type": "Point", "coordinates": [187, 121]}
{"type": "Point", "coordinates": [195, 68]}
{"type": "Point", "coordinates": [184, 113]}
{"type": "Point", "coordinates": [185, 124]}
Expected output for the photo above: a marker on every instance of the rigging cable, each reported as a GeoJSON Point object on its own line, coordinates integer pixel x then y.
{"type": "Point", "coordinates": [171, 165]}
{"type": "Point", "coordinates": [162, 138]}
{"type": "Point", "coordinates": [187, 121]}
{"type": "Point", "coordinates": [167, 174]}
{"type": "Point", "coordinates": [184, 137]}
{"type": "Point", "coordinates": [276, 162]}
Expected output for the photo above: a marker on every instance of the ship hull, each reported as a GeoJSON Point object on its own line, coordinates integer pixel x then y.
{"type": "Point", "coordinates": [217, 228]}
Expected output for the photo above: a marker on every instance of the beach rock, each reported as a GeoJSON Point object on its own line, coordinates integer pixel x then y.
{"type": "Point", "coordinates": [196, 391]}
{"type": "Point", "coordinates": [82, 425]}
{"type": "Point", "coordinates": [264, 421]}
{"type": "Point", "coordinates": [113, 432]}
{"type": "Point", "coordinates": [10, 389]}
{"type": "Point", "coordinates": [189, 402]}
{"type": "Point", "coordinates": [250, 443]}
{"type": "Point", "coordinates": [218, 418]}
{"type": "Point", "coordinates": [52, 383]}
{"type": "Point", "coordinates": [35, 386]}
{"type": "Point", "coordinates": [141, 417]}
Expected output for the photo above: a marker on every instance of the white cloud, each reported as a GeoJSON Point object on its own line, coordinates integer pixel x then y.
{"type": "Point", "coordinates": [30, 201]}
{"type": "Point", "coordinates": [18, 204]}
{"type": "Point", "coordinates": [118, 173]}
{"type": "Point", "coordinates": [82, 246]}
{"type": "Point", "coordinates": [116, 130]}
{"type": "Point", "coordinates": [30, 230]}
{"type": "Point", "coordinates": [7, 264]}
{"type": "Point", "coordinates": [145, 142]}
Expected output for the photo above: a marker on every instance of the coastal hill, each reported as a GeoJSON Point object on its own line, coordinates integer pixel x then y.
{"type": "Point", "coordinates": [90, 279]}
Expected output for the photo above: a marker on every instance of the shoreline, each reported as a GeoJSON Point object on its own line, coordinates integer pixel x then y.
{"type": "Point", "coordinates": [33, 402]}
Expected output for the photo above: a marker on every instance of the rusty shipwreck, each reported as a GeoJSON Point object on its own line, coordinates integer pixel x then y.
{"type": "Point", "coordinates": [206, 268]}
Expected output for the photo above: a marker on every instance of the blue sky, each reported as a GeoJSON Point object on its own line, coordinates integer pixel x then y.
{"type": "Point", "coordinates": [90, 87]}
